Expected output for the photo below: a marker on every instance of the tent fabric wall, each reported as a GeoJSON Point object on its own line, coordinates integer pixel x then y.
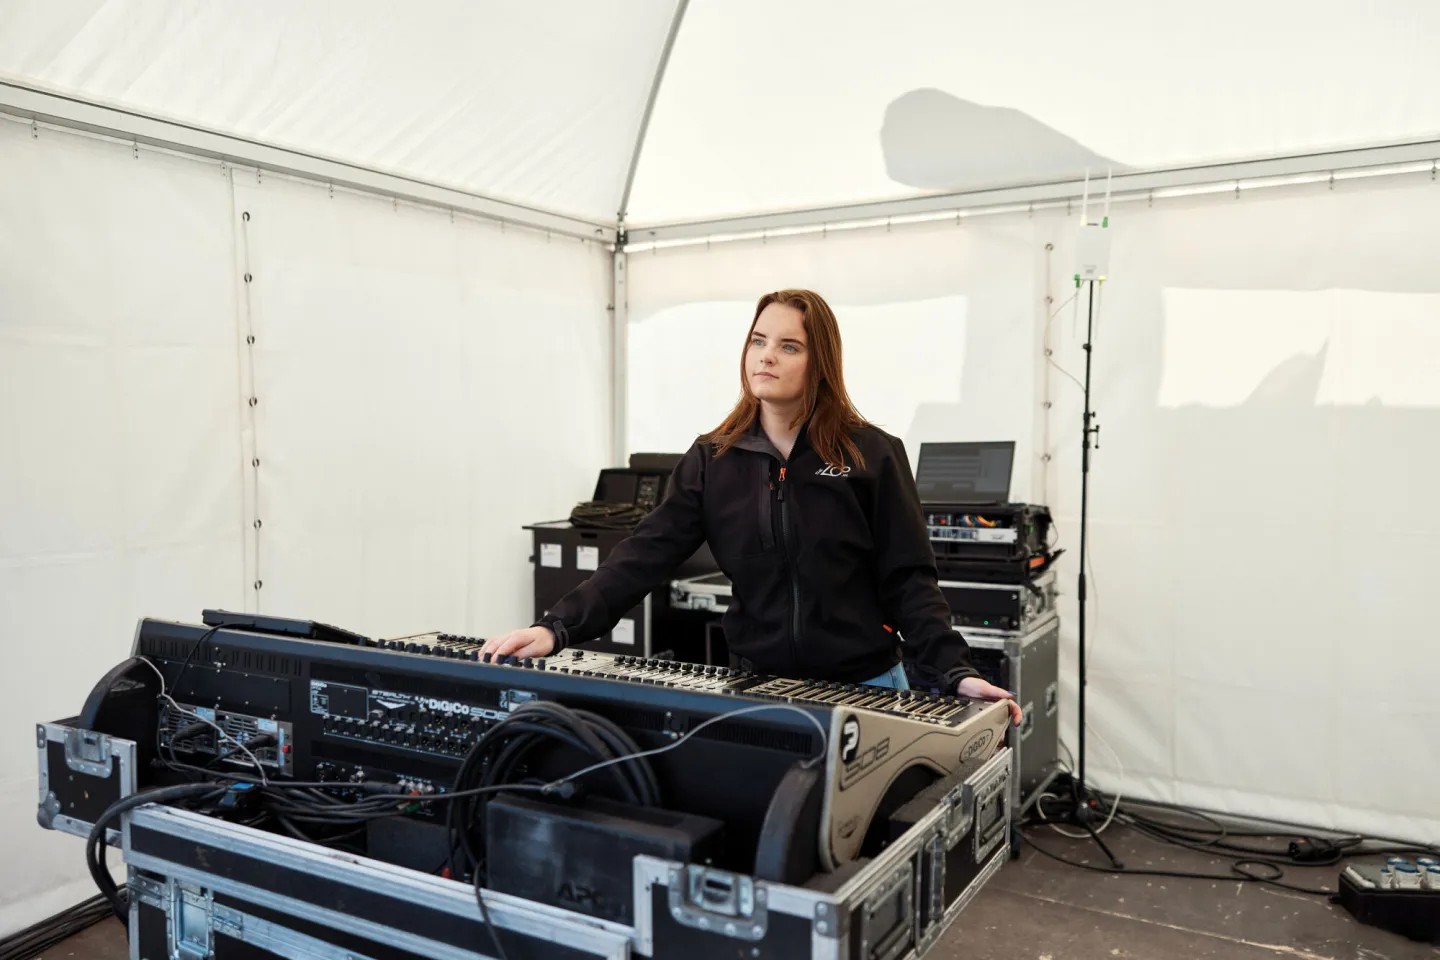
{"type": "Point", "coordinates": [1264, 374]}
{"type": "Point", "coordinates": [1259, 537]}
{"type": "Point", "coordinates": [120, 480]}
{"type": "Point", "coordinates": [961, 297]}
{"type": "Point", "coordinates": [424, 386]}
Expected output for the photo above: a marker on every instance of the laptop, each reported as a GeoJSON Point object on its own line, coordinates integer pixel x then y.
{"type": "Point", "coordinates": [965, 473]}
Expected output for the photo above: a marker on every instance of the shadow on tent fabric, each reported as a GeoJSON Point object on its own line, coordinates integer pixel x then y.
{"type": "Point", "coordinates": [935, 141]}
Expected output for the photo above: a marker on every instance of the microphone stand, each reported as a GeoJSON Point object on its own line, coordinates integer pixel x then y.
{"type": "Point", "coordinates": [1081, 813]}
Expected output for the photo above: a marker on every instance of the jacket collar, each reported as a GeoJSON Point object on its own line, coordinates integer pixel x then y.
{"type": "Point", "coordinates": [755, 440]}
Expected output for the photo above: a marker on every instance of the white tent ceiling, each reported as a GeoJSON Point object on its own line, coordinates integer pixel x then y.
{"type": "Point", "coordinates": [764, 105]}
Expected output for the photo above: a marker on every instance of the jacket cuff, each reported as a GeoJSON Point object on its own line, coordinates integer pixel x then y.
{"type": "Point", "coordinates": [556, 626]}
{"type": "Point", "coordinates": [954, 675]}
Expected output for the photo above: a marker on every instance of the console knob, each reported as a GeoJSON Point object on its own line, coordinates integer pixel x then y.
{"type": "Point", "coordinates": [529, 662]}
{"type": "Point", "coordinates": [485, 657]}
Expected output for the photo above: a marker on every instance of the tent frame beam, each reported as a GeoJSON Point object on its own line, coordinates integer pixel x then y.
{"type": "Point", "coordinates": [44, 107]}
{"type": "Point", "coordinates": [659, 79]}
{"type": "Point", "coordinates": [619, 289]}
{"type": "Point", "coordinates": [1043, 193]}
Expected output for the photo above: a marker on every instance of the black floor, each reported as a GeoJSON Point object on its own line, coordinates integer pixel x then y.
{"type": "Point", "coordinates": [1038, 909]}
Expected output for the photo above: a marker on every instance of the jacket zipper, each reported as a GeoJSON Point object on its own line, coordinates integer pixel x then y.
{"type": "Point", "coordinates": [790, 566]}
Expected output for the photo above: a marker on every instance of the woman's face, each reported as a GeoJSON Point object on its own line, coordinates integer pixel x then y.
{"type": "Point", "coordinates": [776, 358]}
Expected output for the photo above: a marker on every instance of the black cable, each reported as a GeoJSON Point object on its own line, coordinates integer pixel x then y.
{"type": "Point", "coordinates": [96, 843]}
{"type": "Point", "coordinates": [1218, 840]}
{"type": "Point", "coordinates": [500, 756]}
{"type": "Point", "coordinates": [175, 684]}
{"type": "Point", "coordinates": [489, 924]}
{"type": "Point", "coordinates": [600, 515]}
{"type": "Point", "coordinates": [1235, 874]}
{"type": "Point", "coordinates": [37, 938]}
{"type": "Point", "coordinates": [1329, 852]}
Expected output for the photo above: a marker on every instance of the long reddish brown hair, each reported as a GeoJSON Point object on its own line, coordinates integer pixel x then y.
{"type": "Point", "coordinates": [826, 405]}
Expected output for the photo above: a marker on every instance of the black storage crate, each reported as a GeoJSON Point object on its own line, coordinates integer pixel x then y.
{"type": "Point", "coordinates": [564, 556]}
{"type": "Point", "coordinates": [1028, 666]}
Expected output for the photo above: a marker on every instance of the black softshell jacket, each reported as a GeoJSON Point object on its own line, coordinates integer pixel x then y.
{"type": "Point", "coordinates": [822, 560]}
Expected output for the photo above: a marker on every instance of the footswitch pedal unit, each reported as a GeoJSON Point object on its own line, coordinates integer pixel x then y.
{"type": "Point", "coordinates": [1400, 896]}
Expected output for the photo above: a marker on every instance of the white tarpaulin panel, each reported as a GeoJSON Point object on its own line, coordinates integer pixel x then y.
{"type": "Point", "coordinates": [120, 478]}
{"type": "Point", "coordinates": [535, 103]}
{"type": "Point", "coordinates": [1260, 539]}
{"type": "Point", "coordinates": [425, 387]}
{"type": "Point", "coordinates": [773, 106]}
{"type": "Point", "coordinates": [934, 321]}
{"type": "Point", "coordinates": [674, 401]}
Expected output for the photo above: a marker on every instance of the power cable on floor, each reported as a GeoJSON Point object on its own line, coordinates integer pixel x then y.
{"type": "Point", "coordinates": [1250, 862]}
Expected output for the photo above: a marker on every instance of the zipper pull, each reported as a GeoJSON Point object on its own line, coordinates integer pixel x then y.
{"type": "Point", "coordinates": [782, 484]}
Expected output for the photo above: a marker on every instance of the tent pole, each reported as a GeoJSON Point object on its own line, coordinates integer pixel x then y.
{"type": "Point", "coordinates": [619, 355]}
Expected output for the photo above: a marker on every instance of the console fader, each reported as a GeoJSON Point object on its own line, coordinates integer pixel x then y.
{"type": "Point", "coordinates": [913, 705]}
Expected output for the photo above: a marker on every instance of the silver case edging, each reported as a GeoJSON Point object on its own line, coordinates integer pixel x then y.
{"type": "Point", "coordinates": [88, 753]}
{"type": "Point", "coordinates": [597, 938]}
{"type": "Point", "coordinates": [830, 913]}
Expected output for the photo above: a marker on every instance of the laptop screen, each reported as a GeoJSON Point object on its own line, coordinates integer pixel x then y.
{"type": "Point", "coordinates": [965, 472]}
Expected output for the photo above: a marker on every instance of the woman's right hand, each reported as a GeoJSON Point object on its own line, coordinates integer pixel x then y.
{"type": "Point", "coordinates": [530, 642]}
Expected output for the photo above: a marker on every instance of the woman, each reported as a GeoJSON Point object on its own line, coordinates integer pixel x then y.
{"type": "Point", "coordinates": [810, 511]}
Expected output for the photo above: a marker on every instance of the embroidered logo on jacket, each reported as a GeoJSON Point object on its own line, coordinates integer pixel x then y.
{"type": "Point", "coordinates": [832, 471]}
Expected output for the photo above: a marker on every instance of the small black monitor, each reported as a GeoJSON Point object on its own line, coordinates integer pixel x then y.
{"type": "Point", "coordinates": [965, 472]}
{"type": "Point", "coordinates": [617, 486]}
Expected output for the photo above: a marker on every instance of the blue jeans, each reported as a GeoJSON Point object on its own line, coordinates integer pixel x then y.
{"type": "Point", "coordinates": [893, 678]}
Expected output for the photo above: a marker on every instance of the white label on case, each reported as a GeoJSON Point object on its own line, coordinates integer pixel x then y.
{"type": "Point", "coordinates": [550, 555]}
{"type": "Point", "coordinates": [587, 558]}
{"type": "Point", "coordinates": [624, 632]}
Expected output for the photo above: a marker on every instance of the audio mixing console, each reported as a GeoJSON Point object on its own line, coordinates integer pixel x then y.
{"type": "Point", "coordinates": [409, 709]}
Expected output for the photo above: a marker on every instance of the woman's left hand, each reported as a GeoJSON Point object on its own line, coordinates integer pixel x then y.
{"type": "Point", "coordinates": [979, 689]}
